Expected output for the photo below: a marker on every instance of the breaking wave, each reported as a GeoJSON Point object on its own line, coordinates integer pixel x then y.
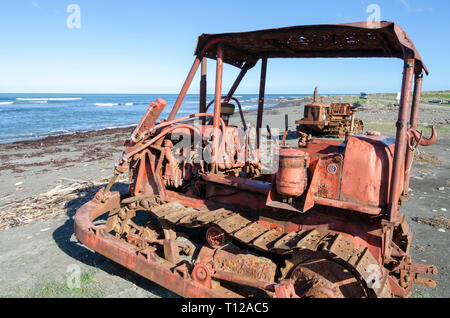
{"type": "Point", "coordinates": [106, 104]}
{"type": "Point", "coordinates": [50, 99]}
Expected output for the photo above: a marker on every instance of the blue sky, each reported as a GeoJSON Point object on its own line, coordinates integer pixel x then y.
{"type": "Point", "coordinates": [146, 46]}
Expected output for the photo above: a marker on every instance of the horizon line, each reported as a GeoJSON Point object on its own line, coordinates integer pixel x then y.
{"type": "Point", "coordinates": [177, 93]}
{"type": "Point", "coordinates": [286, 93]}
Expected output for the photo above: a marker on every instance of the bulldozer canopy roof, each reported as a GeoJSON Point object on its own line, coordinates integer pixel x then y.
{"type": "Point", "coordinates": [359, 39]}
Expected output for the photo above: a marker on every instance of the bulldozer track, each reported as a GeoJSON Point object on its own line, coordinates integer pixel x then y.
{"type": "Point", "coordinates": [323, 243]}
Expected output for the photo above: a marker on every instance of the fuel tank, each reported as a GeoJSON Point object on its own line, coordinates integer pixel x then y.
{"type": "Point", "coordinates": [291, 177]}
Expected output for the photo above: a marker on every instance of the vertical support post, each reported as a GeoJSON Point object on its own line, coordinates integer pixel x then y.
{"type": "Point", "coordinates": [401, 140]}
{"type": "Point", "coordinates": [217, 102]}
{"type": "Point", "coordinates": [184, 89]}
{"type": "Point", "coordinates": [203, 89]}
{"type": "Point", "coordinates": [418, 78]}
{"type": "Point", "coordinates": [262, 88]}
{"type": "Point", "coordinates": [286, 129]}
{"type": "Point", "coordinates": [352, 123]}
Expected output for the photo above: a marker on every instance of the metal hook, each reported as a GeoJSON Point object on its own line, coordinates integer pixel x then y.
{"type": "Point", "coordinates": [420, 140]}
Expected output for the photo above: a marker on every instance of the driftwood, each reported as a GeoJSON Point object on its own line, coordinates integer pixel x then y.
{"type": "Point", "coordinates": [56, 201]}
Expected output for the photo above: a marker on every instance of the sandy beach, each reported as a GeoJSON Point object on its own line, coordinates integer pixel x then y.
{"type": "Point", "coordinates": [43, 182]}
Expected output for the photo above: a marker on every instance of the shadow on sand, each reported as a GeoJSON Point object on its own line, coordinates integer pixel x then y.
{"type": "Point", "coordinates": [65, 239]}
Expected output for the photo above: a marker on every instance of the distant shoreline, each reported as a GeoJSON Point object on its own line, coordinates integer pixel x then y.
{"type": "Point", "coordinates": [271, 101]}
{"type": "Point", "coordinates": [71, 136]}
{"type": "Point", "coordinates": [66, 137]}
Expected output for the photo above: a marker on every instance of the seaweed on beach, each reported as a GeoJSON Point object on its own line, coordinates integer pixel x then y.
{"type": "Point", "coordinates": [437, 221]}
{"type": "Point", "coordinates": [44, 206]}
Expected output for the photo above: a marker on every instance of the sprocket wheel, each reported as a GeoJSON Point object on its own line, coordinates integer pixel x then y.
{"type": "Point", "coordinates": [324, 278]}
{"type": "Point", "coordinates": [334, 264]}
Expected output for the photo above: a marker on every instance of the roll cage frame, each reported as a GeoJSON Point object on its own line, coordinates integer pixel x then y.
{"type": "Point", "coordinates": [360, 39]}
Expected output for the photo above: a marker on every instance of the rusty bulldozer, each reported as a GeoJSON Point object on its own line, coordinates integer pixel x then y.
{"type": "Point", "coordinates": [332, 120]}
{"type": "Point", "coordinates": [323, 221]}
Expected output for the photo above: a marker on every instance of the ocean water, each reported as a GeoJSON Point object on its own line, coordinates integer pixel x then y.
{"type": "Point", "coordinates": [35, 116]}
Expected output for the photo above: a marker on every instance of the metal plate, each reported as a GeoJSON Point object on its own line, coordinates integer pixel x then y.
{"type": "Point", "coordinates": [250, 232]}
{"type": "Point", "coordinates": [288, 241]}
{"type": "Point", "coordinates": [175, 216]}
{"type": "Point", "coordinates": [189, 219]}
{"type": "Point", "coordinates": [211, 216]}
{"type": "Point", "coordinates": [265, 241]}
{"type": "Point", "coordinates": [233, 223]}
{"type": "Point", "coordinates": [165, 209]}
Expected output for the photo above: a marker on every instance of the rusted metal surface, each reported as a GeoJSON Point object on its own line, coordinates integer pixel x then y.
{"type": "Point", "coordinates": [145, 263]}
{"type": "Point", "coordinates": [329, 208]}
{"type": "Point", "coordinates": [149, 119]}
{"type": "Point", "coordinates": [359, 39]}
{"type": "Point", "coordinates": [262, 89]}
{"type": "Point", "coordinates": [238, 80]}
{"type": "Point", "coordinates": [245, 265]}
{"type": "Point", "coordinates": [240, 183]}
{"type": "Point", "coordinates": [379, 153]}
{"type": "Point", "coordinates": [203, 86]}
{"type": "Point", "coordinates": [418, 79]}
{"type": "Point", "coordinates": [184, 89]}
{"type": "Point", "coordinates": [333, 120]}
{"type": "Point", "coordinates": [216, 237]}
{"type": "Point", "coordinates": [309, 283]}
{"type": "Point", "coordinates": [227, 100]}
{"type": "Point", "coordinates": [292, 176]}
{"type": "Point", "coordinates": [396, 186]}
{"type": "Point", "coordinates": [419, 139]}
{"type": "Point", "coordinates": [217, 102]}
{"type": "Point", "coordinates": [241, 113]}
{"type": "Point", "coordinates": [286, 129]}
